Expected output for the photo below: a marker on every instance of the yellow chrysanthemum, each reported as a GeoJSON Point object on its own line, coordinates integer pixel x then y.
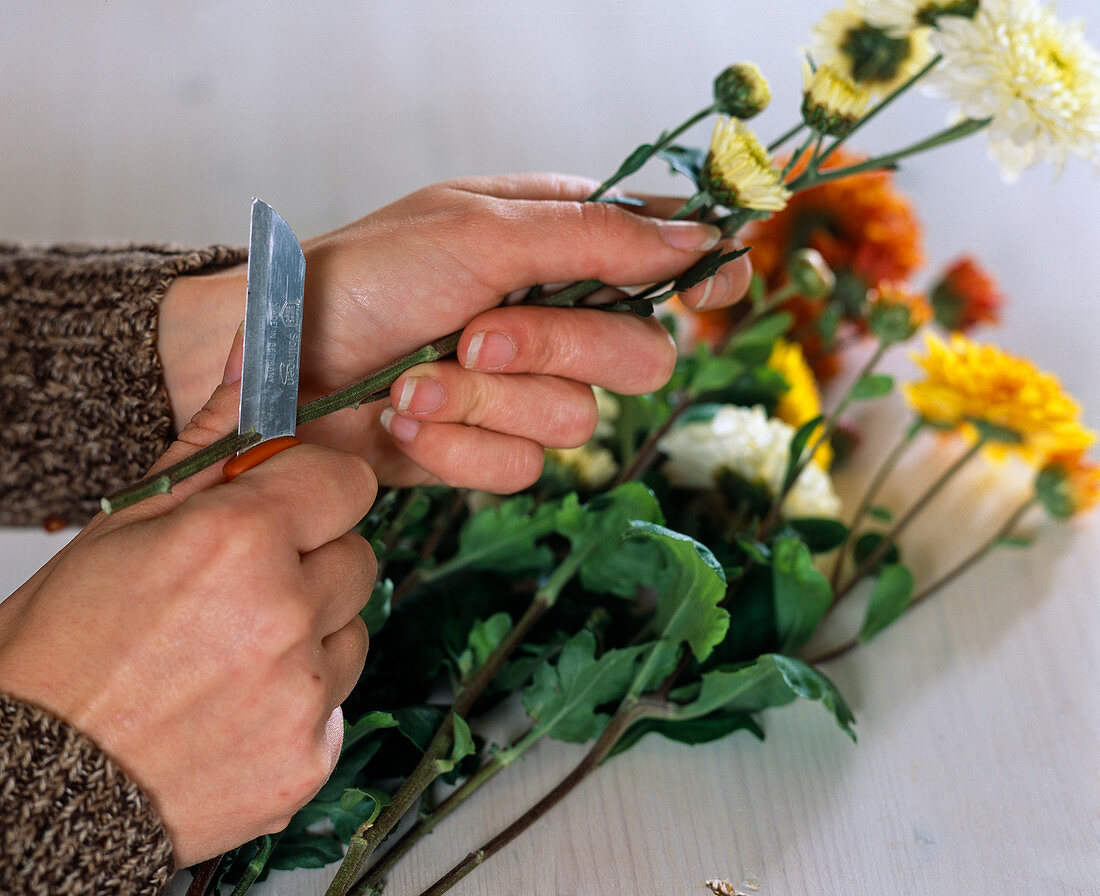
{"type": "Point", "coordinates": [877, 59]}
{"type": "Point", "coordinates": [738, 171]}
{"type": "Point", "coordinates": [1034, 77]}
{"type": "Point", "coordinates": [802, 400]}
{"type": "Point", "coordinates": [967, 383]}
{"type": "Point", "coordinates": [831, 103]}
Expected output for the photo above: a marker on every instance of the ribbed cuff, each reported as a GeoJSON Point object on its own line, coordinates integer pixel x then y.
{"type": "Point", "coordinates": [73, 823]}
{"type": "Point", "coordinates": [83, 409]}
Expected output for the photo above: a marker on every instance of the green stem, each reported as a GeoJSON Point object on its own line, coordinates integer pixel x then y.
{"type": "Point", "coordinates": [891, 537]}
{"type": "Point", "coordinates": [662, 142]}
{"type": "Point", "coordinates": [370, 836]}
{"type": "Point", "coordinates": [630, 711]}
{"type": "Point", "coordinates": [257, 864]}
{"type": "Point", "coordinates": [784, 137]}
{"type": "Point", "coordinates": [962, 566]}
{"type": "Point", "coordinates": [880, 106]}
{"type": "Point", "coordinates": [647, 453]}
{"type": "Point", "coordinates": [885, 468]}
{"type": "Point", "coordinates": [813, 177]}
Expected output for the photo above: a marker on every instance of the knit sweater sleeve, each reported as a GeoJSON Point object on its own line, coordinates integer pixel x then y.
{"type": "Point", "coordinates": [72, 822]}
{"type": "Point", "coordinates": [83, 408]}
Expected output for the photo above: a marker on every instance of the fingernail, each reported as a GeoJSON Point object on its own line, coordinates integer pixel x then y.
{"type": "Point", "coordinates": [420, 395]}
{"type": "Point", "coordinates": [715, 289]}
{"type": "Point", "coordinates": [690, 236]}
{"type": "Point", "coordinates": [234, 364]}
{"type": "Point", "coordinates": [489, 351]}
{"type": "Point", "coordinates": [401, 428]}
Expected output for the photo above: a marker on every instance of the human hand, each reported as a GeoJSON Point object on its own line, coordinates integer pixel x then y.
{"type": "Point", "coordinates": [444, 259]}
{"type": "Point", "coordinates": [205, 639]}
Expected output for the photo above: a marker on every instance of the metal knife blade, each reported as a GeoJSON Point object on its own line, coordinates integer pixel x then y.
{"type": "Point", "coordinates": [272, 326]}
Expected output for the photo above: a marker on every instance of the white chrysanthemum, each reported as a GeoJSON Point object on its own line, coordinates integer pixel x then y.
{"type": "Point", "coordinates": [876, 57]}
{"type": "Point", "coordinates": [1035, 77]}
{"type": "Point", "coordinates": [594, 467]}
{"type": "Point", "coordinates": [753, 446]}
{"type": "Point", "coordinates": [739, 172]}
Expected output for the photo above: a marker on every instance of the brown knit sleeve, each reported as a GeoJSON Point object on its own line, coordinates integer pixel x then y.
{"type": "Point", "coordinates": [70, 821]}
{"type": "Point", "coordinates": [83, 409]}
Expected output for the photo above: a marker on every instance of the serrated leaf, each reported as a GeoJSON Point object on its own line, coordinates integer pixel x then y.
{"type": "Point", "coordinates": [633, 162]}
{"type": "Point", "coordinates": [771, 680]}
{"type": "Point", "coordinates": [595, 532]}
{"type": "Point", "coordinates": [484, 637]}
{"type": "Point", "coordinates": [690, 583]}
{"type": "Point", "coordinates": [305, 849]}
{"type": "Point", "coordinates": [871, 386]}
{"type": "Point", "coordinates": [802, 592]}
{"type": "Point", "coordinates": [705, 268]}
{"type": "Point", "coordinates": [504, 538]}
{"type": "Point", "coordinates": [562, 697]}
{"type": "Point", "coordinates": [890, 598]}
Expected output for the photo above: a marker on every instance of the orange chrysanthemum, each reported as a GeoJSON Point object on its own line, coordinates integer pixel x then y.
{"type": "Point", "coordinates": [966, 295]}
{"type": "Point", "coordinates": [968, 384]}
{"type": "Point", "coordinates": [861, 225]}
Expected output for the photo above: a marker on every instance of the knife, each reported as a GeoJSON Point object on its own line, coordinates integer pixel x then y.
{"type": "Point", "coordinates": [272, 339]}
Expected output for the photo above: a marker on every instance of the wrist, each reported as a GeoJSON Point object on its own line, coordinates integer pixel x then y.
{"type": "Point", "coordinates": [199, 316]}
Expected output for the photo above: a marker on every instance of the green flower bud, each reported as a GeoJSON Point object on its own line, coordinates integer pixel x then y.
{"type": "Point", "coordinates": [741, 91]}
{"type": "Point", "coordinates": [811, 274]}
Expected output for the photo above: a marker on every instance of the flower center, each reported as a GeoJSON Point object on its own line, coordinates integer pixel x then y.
{"type": "Point", "coordinates": [875, 55]}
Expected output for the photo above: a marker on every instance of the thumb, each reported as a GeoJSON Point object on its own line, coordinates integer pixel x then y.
{"type": "Point", "coordinates": [217, 418]}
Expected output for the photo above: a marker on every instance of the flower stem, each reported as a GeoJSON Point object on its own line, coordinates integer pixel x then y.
{"type": "Point", "coordinates": [630, 711]}
{"type": "Point", "coordinates": [885, 468]}
{"type": "Point", "coordinates": [957, 570]}
{"type": "Point", "coordinates": [662, 142]}
{"type": "Point", "coordinates": [881, 105]}
{"type": "Point", "coordinates": [370, 836]}
{"type": "Point", "coordinates": [891, 537]}
{"type": "Point", "coordinates": [647, 453]}
{"type": "Point", "coordinates": [785, 136]}
{"type": "Point", "coordinates": [813, 176]}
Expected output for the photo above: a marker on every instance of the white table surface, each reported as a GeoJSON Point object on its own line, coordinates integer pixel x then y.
{"type": "Point", "coordinates": [978, 764]}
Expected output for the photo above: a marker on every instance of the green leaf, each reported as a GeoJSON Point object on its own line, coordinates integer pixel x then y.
{"type": "Point", "coordinates": [798, 446]}
{"type": "Point", "coordinates": [771, 680]}
{"type": "Point", "coordinates": [878, 512]}
{"type": "Point", "coordinates": [378, 607]}
{"type": "Point", "coordinates": [705, 268]}
{"type": "Point", "coordinates": [484, 637]}
{"type": "Point", "coordinates": [461, 746]}
{"type": "Point", "coordinates": [690, 583]}
{"type": "Point", "coordinates": [562, 697]}
{"type": "Point", "coordinates": [595, 532]}
{"type": "Point", "coordinates": [867, 543]}
{"type": "Point", "coordinates": [710, 373]}
{"type": "Point", "coordinates": [754, 345]}
{"type": "Point", "coordinates": [686, 160]}
{"type": "Point", "coordinates": [503, 538]}
{"type": "Point", "coordinates": [305, 849]}
{"type": "Point", "coordinates": [418, 724]}
{"type": "Point", "coordinates": [633, 162]}
{"type": "Point", "coordinates": [1015, 541]}
{"type": "Point", "coordinates": [802, 592]}
{"type": "Point", "coordinates": [1054, 492]}
{"type": "Point", "coordinates": [702, 730]}
{"type": "Point", "coordinates": [820, 534]}
{"type": "Point", "coordinates": [891, 596]}
{"type": "Point", "coordinates": [873, 385]}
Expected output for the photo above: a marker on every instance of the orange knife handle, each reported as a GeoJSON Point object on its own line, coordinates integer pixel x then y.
{"type": "Point", "coordinates": [257, 454]}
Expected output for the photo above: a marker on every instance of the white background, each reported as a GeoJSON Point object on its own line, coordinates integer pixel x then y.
{"type": "Point", "coordinates": [976, 767]}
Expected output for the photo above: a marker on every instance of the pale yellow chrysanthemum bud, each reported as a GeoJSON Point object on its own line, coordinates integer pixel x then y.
{"type": "Point", "coordinates": [811, 274]}
{"type": "Point", "coordinates": [831, 103]}
{"type": "Point", "coordinates": [742, 91]}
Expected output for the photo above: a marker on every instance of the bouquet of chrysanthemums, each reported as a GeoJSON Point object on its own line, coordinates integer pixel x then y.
{"type": "Point", "coordinates": [671, 576]}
